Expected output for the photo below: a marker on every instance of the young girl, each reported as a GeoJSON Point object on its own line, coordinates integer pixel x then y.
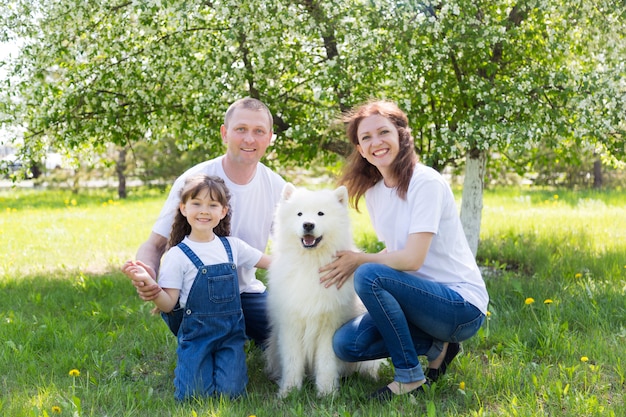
{"type": "Point", "coordinates": [199, 297]}
{"type": "Point", "coordinates": [424, 294]}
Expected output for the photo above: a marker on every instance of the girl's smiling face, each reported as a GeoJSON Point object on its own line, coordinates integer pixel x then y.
{"type": "Point", "coordinates": [379, 143]}
{"type": "Point", "coordinates": [203, 214]}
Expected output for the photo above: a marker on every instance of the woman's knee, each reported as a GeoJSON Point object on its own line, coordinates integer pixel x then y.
{"type": "Point", "coordinates": [364, 277]}
{"type": "Point", "coordinates": [341, 343]}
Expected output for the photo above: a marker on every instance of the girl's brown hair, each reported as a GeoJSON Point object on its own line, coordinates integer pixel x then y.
{"type": "Point", "coordinates": [358, 174]}
{"type": "Point", "coordinates": [193, 186]}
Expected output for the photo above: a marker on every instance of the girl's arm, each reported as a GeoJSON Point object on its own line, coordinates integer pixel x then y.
{"type": "Point", "coordinates": [166, 298]}
{"type": "Point", "coordinates": [411, 258]}
{"type": "Point", "coordinates": [264, 262]}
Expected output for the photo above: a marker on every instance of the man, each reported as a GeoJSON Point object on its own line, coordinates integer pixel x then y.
{"type": "Point", "coordinates": [255, 190]}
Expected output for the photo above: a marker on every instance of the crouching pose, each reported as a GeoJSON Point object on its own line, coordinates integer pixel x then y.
{"type": "Point", "coordinates": [424, 294]}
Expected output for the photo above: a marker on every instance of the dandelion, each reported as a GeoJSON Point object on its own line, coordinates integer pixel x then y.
{"type": "Point", "coordinates": [462, 385]}
{"type": "Point", "coordinates": [547, 301]}
{"type": "Point", "coordinates": [529, 301]}
{"type": "Point", "coordinates": [56, 409]}
{"type": "Point", "coordinates": [578, 275]}
{"type": "Point", "coordinates": [556, 196]}
{"type": "Point", "coordinates": [584, 359]}
{"type": "Point", "coordinates": [489, 314]}
{"type": "Point", "coordinates": [74, 372]}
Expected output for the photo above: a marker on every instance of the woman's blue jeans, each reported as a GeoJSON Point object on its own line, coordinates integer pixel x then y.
{"type": "Point", "coordinates": [406, 316]}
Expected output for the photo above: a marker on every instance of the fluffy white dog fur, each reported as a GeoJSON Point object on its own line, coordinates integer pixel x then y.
{"type": "Point", "coordinates": [309, 228]}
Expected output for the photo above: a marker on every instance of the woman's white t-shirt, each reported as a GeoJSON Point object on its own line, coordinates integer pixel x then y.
{"type": "Point", "coordinates": [429, 207]}
{"type": "Point", "coordinates": [177, 271]}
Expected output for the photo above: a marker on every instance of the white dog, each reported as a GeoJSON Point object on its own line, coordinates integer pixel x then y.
{"type": "Point", "coordinates": [309, 228]}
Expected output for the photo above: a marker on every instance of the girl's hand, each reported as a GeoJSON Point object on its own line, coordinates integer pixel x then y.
{"type": "Point", "coordinates": [143, 278]}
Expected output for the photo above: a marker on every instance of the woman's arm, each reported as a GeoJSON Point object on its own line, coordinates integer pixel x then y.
{"type": "Point", "coordinates": [411, 258]}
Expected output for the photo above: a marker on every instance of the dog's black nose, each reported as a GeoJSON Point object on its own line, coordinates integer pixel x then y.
{"type": "Point", "coordinates": [308, 226]}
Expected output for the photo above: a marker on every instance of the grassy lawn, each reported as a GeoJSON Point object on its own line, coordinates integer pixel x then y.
{"type": "Point", "coordinates": [75, 340]}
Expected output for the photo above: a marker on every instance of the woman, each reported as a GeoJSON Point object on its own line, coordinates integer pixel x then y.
{"type": "Point", "coordinates": [424, 293]}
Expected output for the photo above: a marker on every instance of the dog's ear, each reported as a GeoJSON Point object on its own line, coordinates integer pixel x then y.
{"type": "Point", "coordinates": [288, 190]}
{"type": "Point", "coordinates": [341, 193]}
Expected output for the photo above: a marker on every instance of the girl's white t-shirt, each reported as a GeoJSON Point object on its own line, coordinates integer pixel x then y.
{"type": "Point", "coordinates": [429, 207]}
{"type": "Point", "coordinates": [179, 272]}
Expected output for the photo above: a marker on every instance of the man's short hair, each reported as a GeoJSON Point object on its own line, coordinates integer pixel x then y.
{"type": "Point", "coordinates": [250, 104]}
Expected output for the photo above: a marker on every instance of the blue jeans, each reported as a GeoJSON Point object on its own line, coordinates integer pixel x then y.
{"type": "Point", "coordinates": [254, 306]}
{"type": "Point", "coordinates": [406, 316]}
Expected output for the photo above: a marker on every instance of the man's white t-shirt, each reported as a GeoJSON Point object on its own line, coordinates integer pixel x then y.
{"type": "Point", "coordinates": [252, 208]}
{"type": "Point", "coordinates": [179, 272]}
{"type": "Point", "coordinates": [429, 207]}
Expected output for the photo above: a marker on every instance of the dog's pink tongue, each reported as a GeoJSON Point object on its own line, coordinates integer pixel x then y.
{"type": "Point", "coordinates": [308, 240]}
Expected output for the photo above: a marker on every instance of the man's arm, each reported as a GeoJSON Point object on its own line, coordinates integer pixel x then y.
{"type": "Point", "coordinates": [149, 254]}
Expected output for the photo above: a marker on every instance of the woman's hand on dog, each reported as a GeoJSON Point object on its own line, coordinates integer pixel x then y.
{"type": "Point", "coordinates": [341, 269]}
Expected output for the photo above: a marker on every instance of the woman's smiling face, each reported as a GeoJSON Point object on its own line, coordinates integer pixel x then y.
{"type": "Point", "coordinates": [379, 143]}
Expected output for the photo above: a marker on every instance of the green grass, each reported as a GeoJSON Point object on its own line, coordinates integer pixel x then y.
{"type": "Point", "coordinates": [65, 306]}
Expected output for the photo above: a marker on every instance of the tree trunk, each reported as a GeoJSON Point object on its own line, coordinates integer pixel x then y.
{"type": "Point", "coordinates": [120, 170]}
{"type": "Point", "coordinates": [472, 200]}
{"type": "Point", "coordinates": [597, 173]}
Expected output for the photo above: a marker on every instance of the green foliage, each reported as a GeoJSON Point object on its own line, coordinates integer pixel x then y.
{"type": "Point", "coordinates": [488, 75]}
{"type": "Point", "coordinates": [67, 307]}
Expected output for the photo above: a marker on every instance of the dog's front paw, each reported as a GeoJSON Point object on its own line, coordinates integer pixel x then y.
{"type": "Point", "coordinates": [326, 391]}
{"type": "Point", "coordinates": [286, 388]}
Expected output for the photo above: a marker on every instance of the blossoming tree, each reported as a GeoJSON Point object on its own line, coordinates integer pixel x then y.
{"type": "Point", "coordinates": [474, 77]}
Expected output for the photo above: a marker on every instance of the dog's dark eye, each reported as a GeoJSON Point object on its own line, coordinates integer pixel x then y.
{"type": "Point", "coordinates": [299, 214]}
{"type": "Point", "coordinates": [320, 213]}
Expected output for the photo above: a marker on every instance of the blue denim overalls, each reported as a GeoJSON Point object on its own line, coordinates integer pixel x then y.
{"type": "Point", "coordinates": [211, 337]}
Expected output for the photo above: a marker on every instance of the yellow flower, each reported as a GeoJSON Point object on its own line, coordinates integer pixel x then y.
{"type": "Point", "coordinates": [556, 196]}
{"type": "Point", "coordinates": [56, 409]}
{"type": "Point", "coordinates": [529, 301]}
{"type": "Point", "coordinates": [547, 301]}
{"type": "Point", "coordinates": [74, 372]}
{"type": "Point", "coordinates": [584, 359]}
{"type": "Point", "coordinates": [489, 314]}
{"type": "Point", "coordinates": [578, 275]}
{"type": "Point", "coordinates": [462, 385]}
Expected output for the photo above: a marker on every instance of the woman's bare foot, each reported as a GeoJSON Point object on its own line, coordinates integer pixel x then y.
{"type": "Point", "coordinates": [399, 388]}
{"type": "Point", "coordinates": [436, 363]}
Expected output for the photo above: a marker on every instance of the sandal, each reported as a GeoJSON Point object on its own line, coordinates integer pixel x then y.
{"type": "Point", "coordinates": [432, 374]}
{"type": "Point", "coordinates": [385, 394]}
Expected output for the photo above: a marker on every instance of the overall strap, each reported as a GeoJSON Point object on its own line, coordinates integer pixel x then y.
{"type": "Point", "coordinates": [191, 255]}
{"type": "Point", "coordinates": [227, 247]}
